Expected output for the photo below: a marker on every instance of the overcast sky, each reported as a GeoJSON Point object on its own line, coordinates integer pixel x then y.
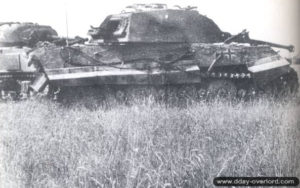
{"type": "Point", "coordinates": [271, 20]}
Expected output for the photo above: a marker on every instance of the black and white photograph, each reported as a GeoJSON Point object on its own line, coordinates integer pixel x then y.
{"type": "Point", "coordinates": [149, 94]}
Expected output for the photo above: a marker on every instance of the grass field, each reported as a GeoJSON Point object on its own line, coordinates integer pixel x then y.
{"type": "Point", "coordinates": [46, 144]}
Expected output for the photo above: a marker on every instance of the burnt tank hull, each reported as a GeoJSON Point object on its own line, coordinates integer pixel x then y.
{"type": "Point", "coordinates": [247, 67]}
{"type": "Point", "coordinates": [183, 49]}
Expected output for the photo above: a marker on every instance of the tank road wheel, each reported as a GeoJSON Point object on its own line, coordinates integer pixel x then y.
{"type": "Point", "coordinates": [289, 84]}
{"type": "Point", "coordinates": [160, 94]}
{"type": "Point", "coordinates": [121, 96]}
{"type": "Point", "coordinates": [284, 86]}
{"type": "Point", "coordinates": [222, 89]}
{"type": "Point", "coordinates": [201, 93]}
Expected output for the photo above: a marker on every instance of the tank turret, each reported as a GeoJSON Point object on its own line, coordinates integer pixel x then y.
{"type": "Point", "coordinates": [162, 25]}
{"type": "Point", "coordinates": [24, 34]}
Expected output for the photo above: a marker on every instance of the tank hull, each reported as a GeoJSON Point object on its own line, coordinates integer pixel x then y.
{"type": "Point", "coordinates": [247, 67]}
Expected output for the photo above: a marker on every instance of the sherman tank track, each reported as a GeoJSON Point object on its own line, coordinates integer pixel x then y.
{"type": "Point", "coordinates": [15, 86]}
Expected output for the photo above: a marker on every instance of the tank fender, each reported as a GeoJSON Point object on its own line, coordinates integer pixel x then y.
{"type": "Point", "coordinates": [269, 68]}
{"type": "Point", "coordinates": [40, 82]}
{"type": "Point", "coordinates": [268, 63]}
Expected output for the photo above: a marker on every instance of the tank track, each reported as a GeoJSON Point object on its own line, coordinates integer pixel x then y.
{"type": "Point", "coordinates": [231, 85]}
{"type": "Point", "coordinates": [286, 85]}
{"type": "Point", "coordinates": [169, 93]}
{"type": "Point", "coordinates": [14, 86]}
{"type": "Point", "coordinates": [234, 85]}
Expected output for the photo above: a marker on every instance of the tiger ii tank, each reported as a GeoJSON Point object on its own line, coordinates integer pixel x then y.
{"type": "Point", "coordinates": [166, 51]}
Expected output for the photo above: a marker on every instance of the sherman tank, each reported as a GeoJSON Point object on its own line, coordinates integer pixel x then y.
{"type": "Point", "coordinates": [16, 41]}
{"type": "Point", "coordinates": [166, 51]}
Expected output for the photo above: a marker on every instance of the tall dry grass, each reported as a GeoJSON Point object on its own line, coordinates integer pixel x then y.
{"type": "Point", "coordinates": [46, 144]}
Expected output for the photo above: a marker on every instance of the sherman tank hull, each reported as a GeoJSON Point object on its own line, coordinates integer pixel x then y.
{"type": "Point", "coordinates": [15, 74]}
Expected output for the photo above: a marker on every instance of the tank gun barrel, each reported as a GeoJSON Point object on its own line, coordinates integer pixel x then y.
{"type": "Point", "coordinates": [243, 37]}
{"type": "Point", "coordinates": [290, 48]}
